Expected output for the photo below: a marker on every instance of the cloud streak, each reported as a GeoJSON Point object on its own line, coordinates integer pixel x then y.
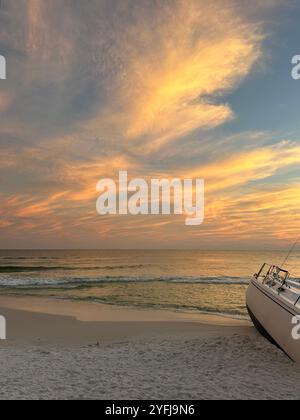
{"type": "Point", "coordinates": [168, 91]}
{"type": "Point", "coordinates": [137, 86]}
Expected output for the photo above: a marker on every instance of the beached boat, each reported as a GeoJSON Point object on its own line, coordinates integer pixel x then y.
{"type": "Point", "coordinates": [273, 302]}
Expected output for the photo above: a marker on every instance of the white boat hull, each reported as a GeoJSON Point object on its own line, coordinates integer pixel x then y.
{"type": "Point", "coordinates": [273, 317]}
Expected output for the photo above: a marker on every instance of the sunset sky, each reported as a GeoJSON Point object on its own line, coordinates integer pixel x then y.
{"type": "Point", "coordinates": [160, 88]}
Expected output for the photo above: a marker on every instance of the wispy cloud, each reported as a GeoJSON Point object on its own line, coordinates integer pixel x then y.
{"type": "Point", "coordinates": [178, 62]}
{"type": "Point", "coordinates": [135, 85]}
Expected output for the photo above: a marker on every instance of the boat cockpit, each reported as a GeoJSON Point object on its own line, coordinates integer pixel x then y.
{"type": "Point", "coordinates": [280, 282]}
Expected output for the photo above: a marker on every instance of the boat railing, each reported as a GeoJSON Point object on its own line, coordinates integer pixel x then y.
{"type": "Point", "coordinates": [273, 274]}
{"type": "Point", "coordinates": [279, 280]}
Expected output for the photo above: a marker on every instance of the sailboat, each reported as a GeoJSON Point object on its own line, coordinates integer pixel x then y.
{"type": "Point", "coordinates": [273, 303]}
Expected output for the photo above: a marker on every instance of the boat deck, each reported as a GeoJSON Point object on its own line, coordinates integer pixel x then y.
{"type": "Point", "coordinates": [280, 284]}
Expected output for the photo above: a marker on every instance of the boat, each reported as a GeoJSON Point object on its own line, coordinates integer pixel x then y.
{"type": "Point", "coordinates": [273, 303]}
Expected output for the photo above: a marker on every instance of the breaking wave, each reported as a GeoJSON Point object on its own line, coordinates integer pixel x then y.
{"type": "Point", "coordinates": [92, 282]}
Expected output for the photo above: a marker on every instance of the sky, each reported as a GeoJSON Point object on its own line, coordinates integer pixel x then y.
{"type": "Point", "coordinates": [159, 88]}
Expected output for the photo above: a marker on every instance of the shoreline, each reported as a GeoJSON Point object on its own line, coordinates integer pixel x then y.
{"type": "Point", "coordinates": [52, 321]}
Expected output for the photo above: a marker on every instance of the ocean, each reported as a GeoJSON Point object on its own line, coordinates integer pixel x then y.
{"type": "Point", "coordinates": [201, 281]}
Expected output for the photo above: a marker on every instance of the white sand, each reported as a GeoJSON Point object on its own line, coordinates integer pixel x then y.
{"type": "Point", "coordinates": [138, 360]}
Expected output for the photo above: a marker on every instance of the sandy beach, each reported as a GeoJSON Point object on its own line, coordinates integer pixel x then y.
{"type": "Point", "coordinates": [59, 349]}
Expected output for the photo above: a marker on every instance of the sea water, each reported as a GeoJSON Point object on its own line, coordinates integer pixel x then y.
{"type": "Point", "coordinates": [201, 281]}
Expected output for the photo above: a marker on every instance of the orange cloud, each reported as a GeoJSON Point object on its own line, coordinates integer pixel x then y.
{"type": "Point", "coordinates": [176, 71]}
{"type": "Point", "coordinates": [240, 168]}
